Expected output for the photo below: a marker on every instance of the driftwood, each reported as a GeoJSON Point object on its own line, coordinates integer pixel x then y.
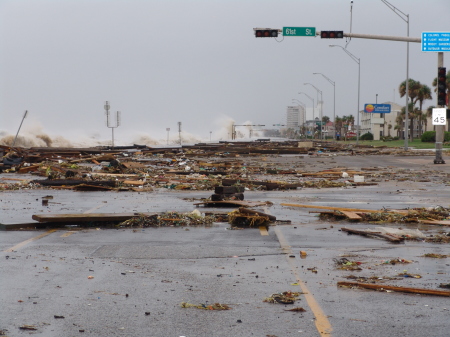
{"type": "Point", "coordinates": [394, 288]}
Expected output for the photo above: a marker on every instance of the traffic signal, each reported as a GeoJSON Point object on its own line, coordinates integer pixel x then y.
{"type": "Point", "coordinates": [266, 32]}
{"type": "Point", "coordinates": [441, 86]}
{"type": "Point", "coordinates": [332, 34]}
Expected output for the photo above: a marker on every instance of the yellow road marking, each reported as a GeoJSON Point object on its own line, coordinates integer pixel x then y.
{"type": "Point", "coordinates": [66, 234]}
{"type": "Point", "coordinates": [263, 230]}
{"type": "Point", "coordinates": [20, 245]}
{"type": "Point", "coordinates": [323, 326]}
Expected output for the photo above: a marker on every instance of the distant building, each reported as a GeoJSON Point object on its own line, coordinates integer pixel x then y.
{"type": "Point", "coordinates": [295, 117]}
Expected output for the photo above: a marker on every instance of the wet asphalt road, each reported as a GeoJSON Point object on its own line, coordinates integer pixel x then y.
{"type": "Point", "coordinates": [154, 270]}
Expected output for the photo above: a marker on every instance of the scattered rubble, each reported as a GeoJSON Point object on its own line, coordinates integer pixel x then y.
{"type": "Point", "coordinates": [286, 297]}
{"type": "Point", "coordinates": [214, 306]}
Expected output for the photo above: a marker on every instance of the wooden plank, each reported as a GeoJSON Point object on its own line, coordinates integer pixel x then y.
{"type": "Point", "coordinates": [394, 288]}
{"type": "Point", "coordinates": [352, 215]}
{"type": "Point", "coordinates": [263, 230]}
{"type": "Point", "coordinates": [27, 169]}
{"type": "Point", "coordinates": [386, 236]}
{"type": "Point", "coordinates": [231, 203]}
{"type": "Point", "coordinates": [133, 182]}
{"type": "Point", "coordinates": [130, 165]}
{"type": "Point", "coordinates": [436, 222]}
{"type": "Point", "coordinates": [116, 175]}
{"type": "Point", "coordinates": [356, 210]}
{"type": "Point", "coordinates": [85, 217]}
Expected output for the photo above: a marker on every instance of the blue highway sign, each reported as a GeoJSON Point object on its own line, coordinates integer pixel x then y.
{"type": "Point", "coordinates": [436, 41]}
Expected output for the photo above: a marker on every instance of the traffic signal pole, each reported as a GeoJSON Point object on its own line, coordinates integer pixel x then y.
{"type": "Point", "coordinates": [383, 37]}
{"type": "Point", "coordinates": [440, 129]}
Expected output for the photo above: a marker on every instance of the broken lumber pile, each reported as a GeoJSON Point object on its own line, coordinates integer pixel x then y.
{"type": "Point", "coordinates": [268, 185]}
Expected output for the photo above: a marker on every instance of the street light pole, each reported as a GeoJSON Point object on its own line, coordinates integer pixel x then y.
{"type": "Point", "coordinates": [404, 17]}
{"type": "Point", "coordinates": [321, 107]}
{"type": "Point", "coordinates": [357, 60]}
{"type": "Point", "coordinates": [310, 99]}
{"type": "Point", "coordinates": [303, 105]}
{"type": "Point", "coordinates": [334, 101]}
{"type": "Point", "coordinates": [313, 106]}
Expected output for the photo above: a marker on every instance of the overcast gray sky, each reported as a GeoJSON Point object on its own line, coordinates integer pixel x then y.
{"type": "Point", "coordinates": [197, 61]}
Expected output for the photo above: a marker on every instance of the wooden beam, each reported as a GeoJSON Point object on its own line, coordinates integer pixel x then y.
{"type": "Point", "coordinates": [86, 217]}
{"type": "Point", "coordinates": [356, 210]}
{"type": "Point", "coordinates": [352, 215]}
{"type": "Point", "coordinates": [386, 236]}
{"type": "Point", "coordinates": [394, 288]}
{"type": "Point", "coordinates": [436, 222]}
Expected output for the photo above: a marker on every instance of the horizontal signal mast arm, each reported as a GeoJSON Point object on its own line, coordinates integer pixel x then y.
{"type": "Point", "coordinates": [382, 37]}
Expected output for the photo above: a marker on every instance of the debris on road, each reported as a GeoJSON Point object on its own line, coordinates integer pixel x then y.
{"type": "Point", "coordinates": [436, 256]}
{"type": "Point", "coordinates": [27, 327]}
{"type": "Point", "coordinates": [243, 217]}
{"type": "Point", "coordinates": [383, 287]}
{"type": "Point", "coordinates": [345, 264]}
{"type": "Point", "coordinates": [287, 297]}
{"type": "Point", "coordinates": [434, 214]}
{"type": "Point", "coordinates": [215, 306]}
{"type": "Point", "coordinates": [297, 309]}
{"type": "Point", "coordinates": [366, 232]}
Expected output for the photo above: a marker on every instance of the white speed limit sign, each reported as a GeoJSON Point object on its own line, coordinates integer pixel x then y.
{"type": "Point", "coordinates": [439, 116]}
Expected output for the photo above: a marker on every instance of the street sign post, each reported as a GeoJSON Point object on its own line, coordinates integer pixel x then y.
{"type": "Point", "coordinates": [436, 41]}
{"type": "Point", "coordinates": [299, 31]}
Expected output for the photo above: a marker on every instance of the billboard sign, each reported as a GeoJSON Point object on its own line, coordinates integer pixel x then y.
{"type": "Point", "coordinates": [377, 108]}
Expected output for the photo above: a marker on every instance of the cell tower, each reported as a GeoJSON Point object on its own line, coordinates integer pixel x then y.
{"type": "Point", "coordinates": [112, 122]}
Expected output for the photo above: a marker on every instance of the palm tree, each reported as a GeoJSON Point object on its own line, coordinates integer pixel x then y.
{"type": "Point", "coordinates": [413, 86]}
{"type": "Point", "coordinates": [423, 93]}
{"type": "Point", "coordinates": [389, 129]}
{"type": "Point", "coordinates": [413, 89]}
{"type": "Point", "coordinates": [399, 123]}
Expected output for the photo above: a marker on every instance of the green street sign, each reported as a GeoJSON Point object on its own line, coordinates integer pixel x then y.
{"type": "Point", "coordinates": [299, 31]}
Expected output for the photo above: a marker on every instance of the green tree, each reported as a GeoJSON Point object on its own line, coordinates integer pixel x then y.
{"type": "Point", "coordinates": [423, 93]}
{"type": "Point", "coordinates": [413, 90]}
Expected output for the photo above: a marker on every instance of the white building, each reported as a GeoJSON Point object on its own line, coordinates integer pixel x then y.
{"type": "Point", "coordinates": [295, 116]}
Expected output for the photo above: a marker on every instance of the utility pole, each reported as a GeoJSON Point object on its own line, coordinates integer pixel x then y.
{"type": "Point", "coordinates": [440, 129]}
{"type": "Point", "coordinates": [24, 116]}
{"type": "Point", "coordinates": [179, 131]}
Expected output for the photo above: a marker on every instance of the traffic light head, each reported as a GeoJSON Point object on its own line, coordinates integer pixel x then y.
{"type": "Point", "coordinates": [332, 34]}
{"type": "Point", "coordinates": [266, 32]}
{"type": "Point", "coordinates": [441, 86]}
